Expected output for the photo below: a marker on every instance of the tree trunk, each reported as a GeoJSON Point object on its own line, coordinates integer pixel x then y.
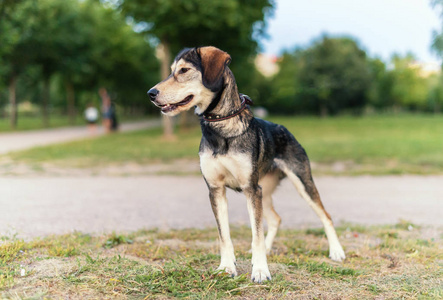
{"type": "Point", "coordinates": [324, 110]}
{"type": "Point", "coordinates": [45, 102]}
{"type": "Point", "coordinates": [2, 111]}
{"type": "Point", "coordinates": [13, 101]}
{"type": "Point", "coordinates": [164, 54]}
{"type": "Point", "coordinates": [70, 97]}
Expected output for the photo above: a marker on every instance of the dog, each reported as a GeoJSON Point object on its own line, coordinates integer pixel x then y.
{"type": "Point", "coordinates": [239, 151]}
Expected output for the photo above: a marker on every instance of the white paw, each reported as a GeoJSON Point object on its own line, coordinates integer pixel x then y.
{"type": "Point", "coordinates": [336, 253]}
{"type": "Point", "coordinates": [260, 275]}
{"type": "Point", "coordinates": [231, 270]}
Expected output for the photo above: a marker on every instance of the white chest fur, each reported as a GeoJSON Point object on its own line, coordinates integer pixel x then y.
{"type": "Point", "coordinates": [232, 170]}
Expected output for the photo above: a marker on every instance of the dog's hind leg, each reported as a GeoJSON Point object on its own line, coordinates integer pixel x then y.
{"type": "Point", "coordinates": [300, 175]}
{"type": "Point", "coordinates": [219, 204]}
{"type": "Point", "coordinates": [268, 184]}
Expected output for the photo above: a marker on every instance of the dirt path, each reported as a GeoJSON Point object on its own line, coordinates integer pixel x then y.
{"type": "Point", "coordinates": [32, 206]}
{"type": "Point", "coordinates": [28, 139]}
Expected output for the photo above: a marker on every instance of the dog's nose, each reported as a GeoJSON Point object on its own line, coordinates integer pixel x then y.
{"type": "Point", "coordinates": [152, 93]}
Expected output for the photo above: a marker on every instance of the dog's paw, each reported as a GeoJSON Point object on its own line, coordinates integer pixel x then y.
{"type": "Point", "coordinates": [231, 270]}
{"type": "Point", "coordinates": [260, 275]}
{"type": "Point", "coordinates": [336, 253]}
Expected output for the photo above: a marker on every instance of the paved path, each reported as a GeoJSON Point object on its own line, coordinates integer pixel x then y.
{"type": "Point", "coordinates": [28, 139]}
{"type": "Point", "coordinates": [38, 206]}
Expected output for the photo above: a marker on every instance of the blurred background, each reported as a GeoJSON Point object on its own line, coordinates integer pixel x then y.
{"type": "Point", "coordinates": [293, 58]}
{"type": "Point", "coordinates": [358, 83]}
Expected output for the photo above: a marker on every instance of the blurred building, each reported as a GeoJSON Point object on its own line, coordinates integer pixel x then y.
{"type": "Point", "coordinates": [266, 64]}
{"type": "Point", "coordinates": [426, 69]}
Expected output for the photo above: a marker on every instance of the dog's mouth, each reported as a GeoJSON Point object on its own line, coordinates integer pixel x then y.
{"type": "Point", "coordinates": [170, 107]}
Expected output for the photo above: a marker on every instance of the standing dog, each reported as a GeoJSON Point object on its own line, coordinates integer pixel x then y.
{"type": "Point", "coordinates": [239, 151]}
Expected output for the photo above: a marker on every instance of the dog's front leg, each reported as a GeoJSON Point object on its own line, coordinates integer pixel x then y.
{"type": "Point", "coordinates": [219, 205]}
{"type": "Point", "coordinates": [260, 271]}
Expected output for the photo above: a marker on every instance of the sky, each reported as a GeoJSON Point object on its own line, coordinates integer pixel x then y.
{"type": "Point", "coordinates": [381, 26]}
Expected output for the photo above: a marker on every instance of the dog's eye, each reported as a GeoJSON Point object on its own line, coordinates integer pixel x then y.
{"type": "Point", "coordinates": [183, 70]}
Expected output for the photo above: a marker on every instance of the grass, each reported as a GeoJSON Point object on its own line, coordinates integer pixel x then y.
{"type": "Point", "coordinates": [387, 262]}
{"type": "Point", "coordinates": [404, 144]}
{"type": "Point", "coordinates": [33, 123]}
{"type": "Point", "coordinates": [26, 123]}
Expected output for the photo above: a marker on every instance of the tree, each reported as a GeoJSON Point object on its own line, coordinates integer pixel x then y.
{"type": "Point", "coordinates": [409, 88]}
{"type": "Point", "coordinates": [327, 77]}
{"type": "Point", "coordinates": [435, 96]}
{"type": "Point", "coordinates": [286, 85]}
{"type": "Point", "coordinates": [85, 45]}
{"type": "Point", "coordinates": [334, 75]}
{"type": "Point", "coordinates": [110, 55]}
{"type": "Point", "coordinates": [380, 92]}
{"type": "Point", "coordinates": [437, 44]}
{"type": "Point", "coordinates": [232, 25]}
{"type": "Point", "coordinates": [53, 40]}
{"type": "Point", "coordinates": [16, 19]}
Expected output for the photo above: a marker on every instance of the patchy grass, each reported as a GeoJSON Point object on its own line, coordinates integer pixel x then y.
{"type": "Point", "coordinates": [343, 145]}
{"type": "Point", "coordinates": [388, 262]}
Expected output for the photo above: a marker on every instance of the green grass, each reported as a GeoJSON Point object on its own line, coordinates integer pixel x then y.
{"type": "Point", "coordinates": [343, 145]}
{"type": "Point", "coordinates": [151, 264]}
{"type": "Point", "coordinates": [26, 123]}
{"type": "Point", "coordinates": [33, 123]}
{"type": "Point", "coordinates": [391, 144]}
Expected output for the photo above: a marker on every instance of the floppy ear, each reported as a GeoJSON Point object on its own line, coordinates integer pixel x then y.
{"type": "Point", "coordinates": [214, 61]}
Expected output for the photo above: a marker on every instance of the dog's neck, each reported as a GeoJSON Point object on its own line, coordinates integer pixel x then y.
{"type": "Point", "coordinates": [225, 103]}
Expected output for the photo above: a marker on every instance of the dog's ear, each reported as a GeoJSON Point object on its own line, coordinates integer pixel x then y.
{"type": "Point", "coordinates": [213, 61]}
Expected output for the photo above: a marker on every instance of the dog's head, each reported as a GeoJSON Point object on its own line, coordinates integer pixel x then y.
{"type": "Point", "coordinates": [196, 78]}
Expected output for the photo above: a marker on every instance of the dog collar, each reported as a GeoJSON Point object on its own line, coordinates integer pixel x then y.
{"type": "Point", "coordinates": [208, 117]}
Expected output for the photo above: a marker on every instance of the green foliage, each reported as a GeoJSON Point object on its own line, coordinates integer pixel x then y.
{"type": "Point", "coordinates": [118, 57]}
{"type": "Point", "coordinates": [77, 44]}
{"type": "Point", "coordinates": [115, 240]}
{"type": "Point", "coordinates": [329, 76]}
{"type": "Point", "coordinates": [334, 75]}
{"type": "Point", "coordinates": [232, 25]}
{"type": "Point", "coordinates": [409, 89]}
{"type": "Point", "coordinates": [435, 96]}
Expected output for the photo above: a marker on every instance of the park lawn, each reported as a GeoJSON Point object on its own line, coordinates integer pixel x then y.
{"type": "Point", "coordinates": [401, 261]}
{"type": "Point", "coordinates": [381, 144]}
{"type": "Point", "coordinates": [26, 123]}
{"type": "Point", "coordinates": [34, 123]}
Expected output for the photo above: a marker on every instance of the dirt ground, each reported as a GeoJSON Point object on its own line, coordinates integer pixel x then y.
{"type": "Point", "coordinates": [34, 206]}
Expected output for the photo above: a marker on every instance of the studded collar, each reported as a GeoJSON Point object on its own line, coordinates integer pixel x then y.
{"type": "Point", "coordinates": [209, 117]}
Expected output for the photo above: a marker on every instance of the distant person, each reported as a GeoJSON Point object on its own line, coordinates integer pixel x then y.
{"type": "Point", "coordinates": [106, 110]}
{"type": "Point", "coordinates": [91, 116]}
{"type": "Point", "coordinates": [114, 120]}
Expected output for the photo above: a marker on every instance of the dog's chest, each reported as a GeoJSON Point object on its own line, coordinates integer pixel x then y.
{"type": "Point", "coordinates": [231, 170]}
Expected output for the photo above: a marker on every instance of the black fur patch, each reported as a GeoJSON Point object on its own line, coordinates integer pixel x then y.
{"type": "Point", "coordinates": [190, 55]}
